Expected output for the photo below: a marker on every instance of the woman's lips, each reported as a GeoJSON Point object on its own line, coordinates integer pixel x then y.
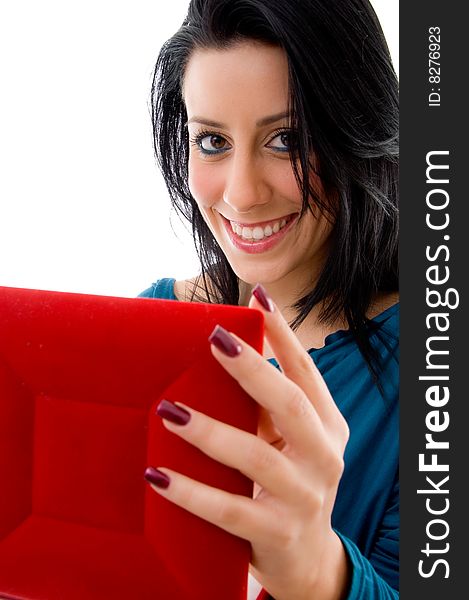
{"type": "Point", "coordinates": [258, 246]}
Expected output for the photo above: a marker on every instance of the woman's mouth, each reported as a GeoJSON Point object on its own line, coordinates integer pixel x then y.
{"type": "Point", "coordinates": [258, 237]}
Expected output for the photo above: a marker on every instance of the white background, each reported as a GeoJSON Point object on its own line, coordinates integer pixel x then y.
{"type": "Point", "coordinates": [83, 207]}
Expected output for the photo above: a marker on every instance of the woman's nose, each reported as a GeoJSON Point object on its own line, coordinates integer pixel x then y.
{"type": "Point", "coordinates": [245, 185]}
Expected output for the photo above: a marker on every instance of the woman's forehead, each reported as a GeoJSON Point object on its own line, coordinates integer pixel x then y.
{"type": "Point", "coordinates": [247, 76]}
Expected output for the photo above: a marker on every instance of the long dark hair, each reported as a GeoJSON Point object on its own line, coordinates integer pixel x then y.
{"type": "Point", "coordinates": [344, 107]}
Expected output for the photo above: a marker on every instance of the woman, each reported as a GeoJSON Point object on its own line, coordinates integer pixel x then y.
{"type": "Point", "coordinates": [276, 130]}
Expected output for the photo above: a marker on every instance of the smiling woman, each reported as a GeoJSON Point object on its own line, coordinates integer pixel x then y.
{"type": "Point", "coordinates": [276, 130]}
{"type": "Point", "coordinates": [240, 172]}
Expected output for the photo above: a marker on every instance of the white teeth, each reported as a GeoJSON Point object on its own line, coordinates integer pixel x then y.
{"type": "Point", "coordinates": [257, 233]}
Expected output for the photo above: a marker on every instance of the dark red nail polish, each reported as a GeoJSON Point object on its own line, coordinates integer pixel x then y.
{"type": "Point", "coordinates": [262, 297]}
{"type": "Point", "coordinates": [157, 478]}
{"type": "Point", "coordinates": [226, 343]}
{"type": "Point", "coordinates": [171, 412]}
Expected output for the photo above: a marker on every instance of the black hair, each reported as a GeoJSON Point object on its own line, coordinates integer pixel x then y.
{"type": "Point", "coordinates": [343, 106]}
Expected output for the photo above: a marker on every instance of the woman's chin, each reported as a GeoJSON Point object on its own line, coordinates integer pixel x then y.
{"type": "Point", "coordinates": [251, 276]}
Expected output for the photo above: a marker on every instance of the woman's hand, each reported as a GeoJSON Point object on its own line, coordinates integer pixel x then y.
{"type": "Point", "coordinates": [295, 553]}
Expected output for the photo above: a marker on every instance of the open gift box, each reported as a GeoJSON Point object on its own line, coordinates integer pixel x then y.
{"type": "Point", "coordinates": [80, 378]}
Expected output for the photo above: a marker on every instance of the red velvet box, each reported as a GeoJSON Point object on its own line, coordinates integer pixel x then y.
{"type": "Point", "coordinates": [80, 377]}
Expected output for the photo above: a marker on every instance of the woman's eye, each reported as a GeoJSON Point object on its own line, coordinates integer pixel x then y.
{"type": "Point", "coordinates": [282, 141]}
{"type": "Point", "coordinates": [212, 144]}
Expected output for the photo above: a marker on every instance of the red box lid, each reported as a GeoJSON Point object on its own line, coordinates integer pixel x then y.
{"type": "Point", "coordinates": [80, 377]}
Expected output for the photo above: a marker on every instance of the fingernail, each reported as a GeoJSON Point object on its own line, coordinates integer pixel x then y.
{"type": "Point", "coordinates": [226, 343]}
{"type": "Point", "coordinates": [262, 297]}
{"type": "Point", "coordinates": [172, 412]}
{"type": "Point", "coordinates": [157, 478]}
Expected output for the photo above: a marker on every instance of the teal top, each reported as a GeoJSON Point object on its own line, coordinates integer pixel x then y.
{"type": "Point", "coordinates": [366, 511]}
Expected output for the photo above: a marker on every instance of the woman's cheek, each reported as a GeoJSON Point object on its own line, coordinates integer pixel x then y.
{"type": "Point", "coordinates": [205, 183]}
{"type": "Point", "coordinates": [282, 180]}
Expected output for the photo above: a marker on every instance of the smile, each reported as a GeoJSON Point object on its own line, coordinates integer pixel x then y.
{"type": "Point", "coordinates": [258, 237]}
{"type": "Point", "coordinates": [258, 232]}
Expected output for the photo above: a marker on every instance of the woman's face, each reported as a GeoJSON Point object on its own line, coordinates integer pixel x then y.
{"type": "Point", "coordinates": [239, 164]}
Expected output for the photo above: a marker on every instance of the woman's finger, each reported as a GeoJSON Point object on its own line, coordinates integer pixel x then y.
{"type": "Point", "coordinates": [292, 413]}
{"type": "Point", "coordinates": [236, 514]}
{"type": "Point", "coordinates": [297, 364]}
{"type": "Point", "coordinates": [235, 448]}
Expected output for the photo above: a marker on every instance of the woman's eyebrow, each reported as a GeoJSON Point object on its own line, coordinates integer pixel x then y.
{"type": "Point", "coordinates": [272, 119]}
{"type": "Point", "coordinates": [260, 123]}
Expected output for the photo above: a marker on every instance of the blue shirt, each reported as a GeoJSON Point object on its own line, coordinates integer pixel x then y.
{"type": "Point", "coordinates": [366, 511]}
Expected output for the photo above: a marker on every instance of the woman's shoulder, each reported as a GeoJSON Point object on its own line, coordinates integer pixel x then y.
{"type": "Point", "coordinates": [161, 288]}
{"type": "Point", "coordinates": [180, 288]}
{"type": "Point", "coordinates": [383, 317]}
{"type": "Point", "coordinates": [191, 289]}
{"type": "Point", "coordinates": [169, 288]}
{"type": "Point", "coordinates": [382, 303]}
